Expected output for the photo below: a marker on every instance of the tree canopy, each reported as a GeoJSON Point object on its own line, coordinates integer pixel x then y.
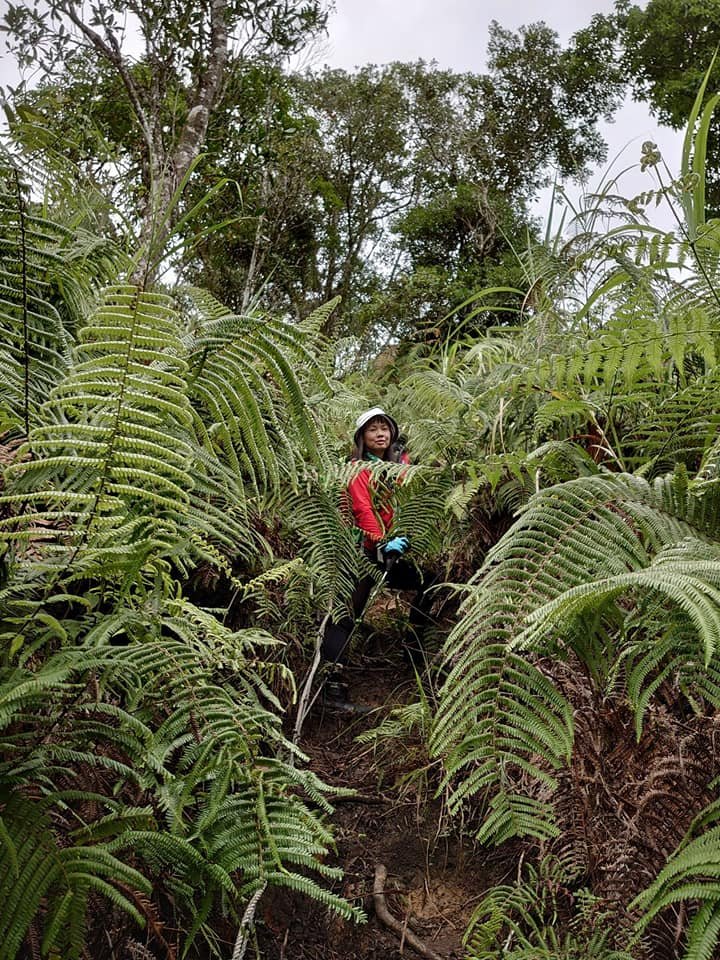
{"type": "Point", "coordinates": [162, 100]}
{"type": "Point", "coordinates": [400, 188]}
{"type": "Point", "coordinates": [663, 51]}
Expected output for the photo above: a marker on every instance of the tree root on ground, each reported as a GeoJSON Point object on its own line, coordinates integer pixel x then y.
{"type": "Point", "coordinates": [391, 922]}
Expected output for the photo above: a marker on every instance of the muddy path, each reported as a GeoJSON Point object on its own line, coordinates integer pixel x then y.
{"type": "Point", "coordinates": [435, 877]}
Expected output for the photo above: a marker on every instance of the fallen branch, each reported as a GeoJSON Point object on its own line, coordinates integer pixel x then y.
{"type": "Point", "coordinates": [246, 923]}
{"type": "Point", "coordinates": [391, 922]}
{"type": "Point", "coordinates": [305, 702]}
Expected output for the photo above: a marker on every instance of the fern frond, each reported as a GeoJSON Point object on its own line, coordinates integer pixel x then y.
{"type": "Point", "coordinates": [691, 585]}
{"type": "Point", "coordinates": [242, 369]}
{"type": "Point", "coordinates": [329, 545]}
{"type": "Point", "coordinates": [62, 876]}
{"type": "Point", "coordinates": [576, 547]}
{"type": "Point", "coordinates": [121, 416]}
{"type": "Point", "coordinates": [513, 815]}
{"type": "Point", "coordinates": [420, 508]}
{"type": "Point", "coordinates": [691, 873]}
{"type": "Point", "coordinates": [529, 920]}
{"type": "Point", "coordinates": [40, 258]}
{"type": "Point", "coordinates": [677, 429]}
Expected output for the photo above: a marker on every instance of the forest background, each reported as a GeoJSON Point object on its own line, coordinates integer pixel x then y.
{"type": "Point", "coordinates": [212, 261]}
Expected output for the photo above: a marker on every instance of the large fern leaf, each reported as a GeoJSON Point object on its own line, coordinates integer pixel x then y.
{"type": "Point", "coordinates": [576, 547]}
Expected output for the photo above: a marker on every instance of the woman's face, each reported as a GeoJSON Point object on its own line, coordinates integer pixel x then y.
{"type": "Point", "coordinates": [377, 437]}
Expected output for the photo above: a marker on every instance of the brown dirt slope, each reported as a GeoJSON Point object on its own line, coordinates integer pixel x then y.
{"type": "Point", "coordinates": [432, 883]}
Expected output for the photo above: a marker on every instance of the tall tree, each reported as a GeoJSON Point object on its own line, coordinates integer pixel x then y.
{"type": "Point", "coordinates": [259, 138]}
{"type": "Point", "coordinates": [171, 89]}
{"type": "Point", "coordinates": [398, 188]}
{"type": "Point", "coordinates": [544, 101]}
{"type": "Point", "coordinates": [663, 50]}
{"type": "Point", "coordinates": [385, 184]}
{"type": "Point", "coordinates": [667, 47]}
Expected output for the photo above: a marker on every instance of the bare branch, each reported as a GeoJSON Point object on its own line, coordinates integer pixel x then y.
{"type": "Point", "coordinates": [110, 50]}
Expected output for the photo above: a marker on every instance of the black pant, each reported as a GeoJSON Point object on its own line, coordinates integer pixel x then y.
{"type": "Point", "coordinates": [401, 575]}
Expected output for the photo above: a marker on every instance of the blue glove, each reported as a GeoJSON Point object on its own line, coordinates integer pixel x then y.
{"type": "Point", "coordinates": [396, 545]}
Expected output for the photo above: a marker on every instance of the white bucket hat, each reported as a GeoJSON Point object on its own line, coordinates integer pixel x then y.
{"type": "Point", "coordinates": [371, 414]}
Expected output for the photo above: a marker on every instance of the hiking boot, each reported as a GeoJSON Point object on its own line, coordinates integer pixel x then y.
{"type": "Point", "coordinates": [335, 697]}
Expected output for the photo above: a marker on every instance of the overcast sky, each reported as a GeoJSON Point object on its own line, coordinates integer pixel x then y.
{"type": "Point", "coordinates": [454, 33]}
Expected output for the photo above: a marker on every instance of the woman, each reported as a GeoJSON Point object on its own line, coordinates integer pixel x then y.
{"type": "Point", "coordinates": [370, 499]}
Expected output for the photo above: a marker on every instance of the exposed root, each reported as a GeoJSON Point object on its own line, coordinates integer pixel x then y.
{"type": "Point", "coordinates": [391, 922]}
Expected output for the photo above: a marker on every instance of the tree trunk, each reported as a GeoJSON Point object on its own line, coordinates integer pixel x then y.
{"type": "Point", "coordinates": [169, 170]}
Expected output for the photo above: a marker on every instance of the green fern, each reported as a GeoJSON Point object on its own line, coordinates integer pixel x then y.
{"type": "Point", "coordinates": [244, 377]}
{"type": "Point", "coordinates": [328, 542]}
{"type": "Point", "coordinates": [38, 870]}
{"type": "Point", "coordinates": [114, 435]}
{"type": "Point", "coordinates": [225, 816]}
{"type": "Point", "coordinates": [576, 548]}
{"type": "Point", "coordinates": [114, 686]}
{"type": "Point", "coordinates": [421, 500]}
{"type": "Point", "coordinates": [692, 873]}
{"type": "Point", "coordinates": [523, 921]}
{"type": "Point", "coordinates": [663, 648]}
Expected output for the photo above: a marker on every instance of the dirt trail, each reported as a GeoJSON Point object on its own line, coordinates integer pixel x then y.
{"type": "Point", "coordinates": [433, 882]}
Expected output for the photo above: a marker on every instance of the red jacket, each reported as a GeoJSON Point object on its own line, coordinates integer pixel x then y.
{"type": "Point", "coordinates": [371, 505]}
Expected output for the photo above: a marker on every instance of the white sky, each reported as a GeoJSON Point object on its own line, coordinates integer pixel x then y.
{"type": "Point", "coordinates": [454, 33]}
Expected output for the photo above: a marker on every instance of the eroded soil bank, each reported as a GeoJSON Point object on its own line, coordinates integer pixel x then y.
{"type": "Point", "coordinates": [433, 881]}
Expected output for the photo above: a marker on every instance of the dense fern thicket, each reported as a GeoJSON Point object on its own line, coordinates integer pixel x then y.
{"type": "Point", "coordinates": [172, 534]}
{"type": "Point", "coordinates": [143, 758]}
{"type": "Point", "coordinates": [580, 704]}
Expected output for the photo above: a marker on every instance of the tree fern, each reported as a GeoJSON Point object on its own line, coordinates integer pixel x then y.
{"type": "Point", "coordinates": [225, 814]}
{"type": "Point", "coordinates": [245, 376]}
{"type": "Point", "coordinates": [40, 257]}
{"type": "Point", "coordinates": [112, 437]}
{"type": "Point", "coordinates": [113, 686]}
